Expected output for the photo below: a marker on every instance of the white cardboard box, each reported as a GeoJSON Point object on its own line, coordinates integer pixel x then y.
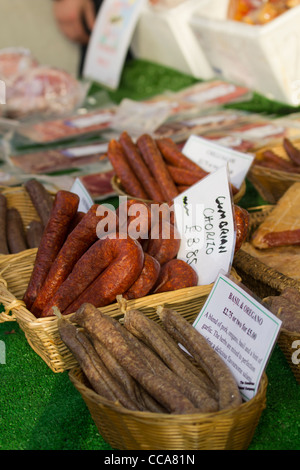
{"type": "Point", "coordinates": [263, 58]}
{"type": "Point", "coordinates": [164, 36]}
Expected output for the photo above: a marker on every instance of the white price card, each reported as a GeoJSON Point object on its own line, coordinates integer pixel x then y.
{"type": "Point", "coordinates": [211, 156]}
{"type": "Point", "coordinates": [204, 219]}
{"type": "Point", "coordinates": [241, 330]}
{"type": "Point", "coordinates": [110, 40]}
{"type": "Point", "coordinates": [86, 200]}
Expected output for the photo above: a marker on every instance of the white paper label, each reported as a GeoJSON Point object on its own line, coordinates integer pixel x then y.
{"type": "Point", "coordinates": [85, 150]}
{"type": "Point", "coordinates": [86, 200]}
{"type": "Point", "coordinates": [204, 220]}
{"type": "Point", "coordinates": [211, 156]}
{"type": "Point", "coordinates": [110, 40]}
{"type": "Point", "coordinates": [241, 330]}
{"type": "Point", "coordinates": [88, 121]}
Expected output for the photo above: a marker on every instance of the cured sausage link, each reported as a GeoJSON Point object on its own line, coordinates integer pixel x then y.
{"type": "Point", "coordinates": [175, 274]}
{"type": "Point", "coordinates": [75, 245]}
{"type": "Point", "coordinates": [99, 326]}
{"type": "Point", "coordinates": [176, 157]}
{"type": "Point", "coordinates": [183, 332]}
{"type": "Point", "coordinates": [157, 166]}
{"type": "Point", "coordinates": [146, 280]}
{"type": "Point", "coordinates": [107, 269]}
{"type": "Point", "coordinates": [140, 168]}
{"type": "Point", "coordinates": [64, 208]}
{"type": "Point", "coordinates": [158, 340]}
{"type": "Point", "coordinates": [124, 171]}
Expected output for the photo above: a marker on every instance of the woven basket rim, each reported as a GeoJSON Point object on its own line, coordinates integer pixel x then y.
{"type": "Point", "coordinates": [99, 400]}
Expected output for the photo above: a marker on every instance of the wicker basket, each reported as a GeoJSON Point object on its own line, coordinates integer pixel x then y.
{"type": "Point", "coordinates": [265, 281]}
{"type": "Point", "coordinates": [131, 430]}
{"type": "Point", "coordinates": [272, 184]}
{"type": "Point", "coordinates": [19, 198]}
{"type": "Point", "coordinates": [42, 333]}
{"type": "Point", "coordinates": [117, 186]}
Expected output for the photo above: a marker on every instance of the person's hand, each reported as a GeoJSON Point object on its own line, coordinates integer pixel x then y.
{"type": "Point", "coordinates": [70, 14]}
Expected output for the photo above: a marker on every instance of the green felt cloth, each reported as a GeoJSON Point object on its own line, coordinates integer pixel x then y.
{"type": "Point", "coordinates": [41, 410]}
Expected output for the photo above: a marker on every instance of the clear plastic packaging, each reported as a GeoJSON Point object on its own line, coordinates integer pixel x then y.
{"type": "Point", "coordinates": [43, 91]}
{"type": "Point", "coordinates": [15, 61]}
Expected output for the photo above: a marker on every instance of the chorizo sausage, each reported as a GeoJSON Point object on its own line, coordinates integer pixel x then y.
{"type": "Point", "coordinates": [283, 238]}
{"type": "Point", "coordinates": [174, 156]}
{"type": "Point", "coordinates": [3, 212]}
{"type": "Point", "coordinates": [123, 170]}
{"type": "Point", "coordinates": [164, 242]}
{"type": "Point", "coordinates": [278, 162]}
{"type": "Point", "coordinates": [146, 280]}
{"type": "Point", "coordinates": [64, 208]}
{"type": "Point", "coordinates": [184, 177]}
{"type": "Point", "coordinates": [242, 218]}
{"type": "Point", "coordinates": [140, 168]}
{"type": "Point", "coordinates": [75, 245]}
{"type": "Point", "coordinates": [107, 269]}
{"type": "Point", "coordinates": [157, 166]}
{"type": "Point", "coordinates": [134, 218]}
{"type": "Point", "coordinates": [209, 360]}
{"type": "Point", "coordinates": [175, 274]}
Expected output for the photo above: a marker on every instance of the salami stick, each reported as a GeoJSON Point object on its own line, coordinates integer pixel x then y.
{"type": "Point", "coordinates": [16, 237]}
{"type": "Point", "coordinates": [183, 332]}
{"type": "Point", "coordinates": [76, 244]}
{"type": "Point", "coordinates": [100, 327]}
{"type": "Point", "coordinates": [279, 162]}
{"type": "Point", "coordinates": [113, 386]}
{"type": "Point", "coordinates": [123, 170]}
{"type": "Point", "coordinates": [3, 211]}
{"type": "Point", "coordinates": [156, 338]}
{"type": "Point", "coordinates": [34, 233]}
{"type": "Point", "coordinates": [140, 168]}
{"type": "Point", "coordinates": [157, 166]}
{"type": "Point", "coordinates": [41, 199]}
{"type": "Point", "coordinates": [283, 238]}
{"type": "Point", "coordinates": [64, 208]}
{"type": "Point", "coordinates": [91, 364]}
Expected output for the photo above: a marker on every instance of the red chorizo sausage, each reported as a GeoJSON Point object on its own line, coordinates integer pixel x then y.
{"type": "Point", "coordinates": [241, 216]}
{"type": "Point", "coordinates": [107, 269]}
{"type": "Point", "coordinates": [64, 208]}
{"type": "Point", "coordinates": [157, 166]}
{"type": "Point", "coordinates": [283, 238]}
{"type": "Point", "coordinates": [292, 151]}
{"type": "Point", "coordinates": [184, 177]}
{"type": "Point", "coordinates": [175, 274]}
{"type": "Point", "coordinates": [146, 280]}
{"type": "Point", "coordinates": [123, 170]}
{"type": "Point", "coordinates": [134, 218]}
{"type": "Point", "coordinates": [164, 242]}
{"type": "Point", "coordinates": [75, 245]}
{"type": "Point", "coordinates": [174, 156]}
{"type": "Point", "coordinates": [140, 168]}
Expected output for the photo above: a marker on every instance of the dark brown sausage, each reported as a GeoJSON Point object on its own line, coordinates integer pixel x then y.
{"type": "Point", "coordinates": [157, 166]}
{"type": "Point", "coordinates": [3, 238]}
{"type": "Point", "coordinates": [123, 170]}
{"type": "Point", "coordinates": [16, 237]}
{"type": "Point", "coordinates": [292, 151]}
{"type": "Point", "coordinates": [107, 269]}
{"type": "Point", "coordinates": [140, 169]}
{"type": "Point", "coordinates": [75, 245]}
{"type": "Point", "coordinates": [41, 199]}
{"type": "Point", "coordinates": [101, 327]}
{"type": "Point", "coordinates": [175, 274]}
{"type": "Point", "coordinates": [209, 360]}
{"type": "Point", "coordinates": [146, 280]}
{"type": "Point", "coordinates": [34, 233]}
{"type": "Point", "coordinates": [64, 208]}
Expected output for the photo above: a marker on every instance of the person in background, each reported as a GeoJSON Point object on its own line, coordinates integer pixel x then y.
{"type": "Point", "coordinates": [75, 19]}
